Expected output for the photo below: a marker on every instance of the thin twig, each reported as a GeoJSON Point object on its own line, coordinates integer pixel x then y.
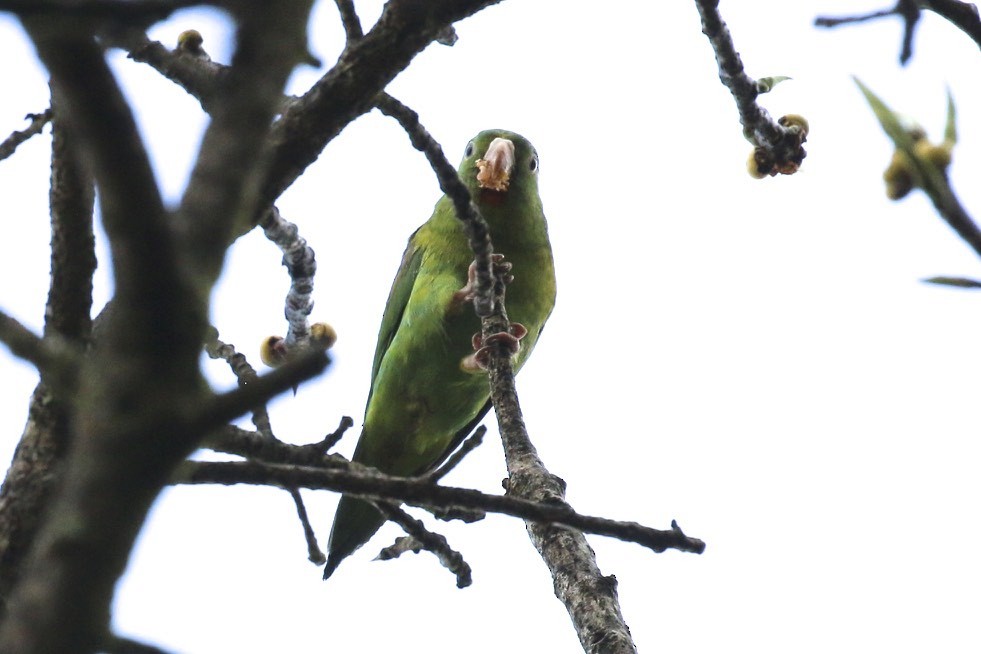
{"type": "Point", "coordinates": [38, 121]}
{"type": "Point", "coordinates": [422, 538]}
{"type": "Point", "coordinates": [469, 445]}
{"type": "Point", "coordinates": [450, 183]}
{"type": "Point", "coordinates": [314, 553]}
{"type": "Point", "coordinates": [228, 406]}
{"type": "Point", "coordinates": [350, 20]}
{"type": "Point", "coordinates": [52, 356]}
{"type": "Point", "coordinates": [244, 373]}
{"type": "Point", "coordinates": [908, 10]}
{"type": "Point", "coordinates": [253, 445]}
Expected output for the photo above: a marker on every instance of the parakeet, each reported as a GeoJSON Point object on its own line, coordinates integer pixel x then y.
{"type": "Point", "coordinates": [428, 392]}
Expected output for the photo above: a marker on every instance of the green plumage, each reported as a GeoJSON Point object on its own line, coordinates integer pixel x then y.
{"type": "Point", "coordinates": [423, 402]}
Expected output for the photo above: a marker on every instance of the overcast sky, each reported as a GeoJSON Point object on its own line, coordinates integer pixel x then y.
{"type": "Point", "coordinates": [756, 359]}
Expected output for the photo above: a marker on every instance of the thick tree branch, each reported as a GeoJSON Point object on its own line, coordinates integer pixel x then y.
{"type": "Point", "coordinates": [72, 198]}
{"type": "Point", "coordinates": [589, 597]}
{"type": "Point", "coordinates": [33, 474]}
{"type": "Point", "coordinates": [129, 434]}
{"type": "Point", "coordinates": [222, 193]}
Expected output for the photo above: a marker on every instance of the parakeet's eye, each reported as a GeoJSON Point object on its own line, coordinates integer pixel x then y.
{"type": "Point", "coordinates": [533, 164]}
{"type": "Point", "coordinates": [469, 150]}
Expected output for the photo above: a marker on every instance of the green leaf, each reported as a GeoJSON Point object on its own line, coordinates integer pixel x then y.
{"type": "Point", "coordinates": [958, 282]}
{"type": "Point", "coordinates": [766, 84]}
{"type": "Point", "coordinates": [891, 123]}
{"type": "Point", "coordinates": [950, 129]}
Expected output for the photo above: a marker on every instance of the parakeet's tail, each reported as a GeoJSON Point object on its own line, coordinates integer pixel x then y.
{"type": "Point", "coordinates": [356, 521]}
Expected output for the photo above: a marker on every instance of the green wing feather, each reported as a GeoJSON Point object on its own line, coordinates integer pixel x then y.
{"type": "Point", "coordinates": [398, 299]}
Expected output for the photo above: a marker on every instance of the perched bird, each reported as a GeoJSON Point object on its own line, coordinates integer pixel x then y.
{"type": "Point", "coordinates": [428, 390]}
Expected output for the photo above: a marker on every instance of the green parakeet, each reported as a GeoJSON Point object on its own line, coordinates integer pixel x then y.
{"type": "Point", "coordinates": [428, 392]}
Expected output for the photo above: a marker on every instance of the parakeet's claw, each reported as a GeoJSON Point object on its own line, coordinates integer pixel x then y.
{"type": "Point", "coordinates": [501, 268]}
{"type": "Point", "coordinates": [510, 340]}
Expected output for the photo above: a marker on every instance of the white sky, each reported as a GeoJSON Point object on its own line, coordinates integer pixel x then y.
{"type": "Point", "coordinates": [756, 359]}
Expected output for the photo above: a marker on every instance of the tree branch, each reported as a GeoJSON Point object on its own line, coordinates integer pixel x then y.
{"type": "Point", "coordinates": [129, 434]}
{"type": "Point", "coordinates": [38, 121]}
{"type": "Point", "coordinates": [72, 200]}
{"type": "Point", "coordinates": [963, 15]}
{"type": "Point", "coordinates": [474, 225]}
{"type": "Point", "coordinates": [421, 538]}
{"type": "Point", "coordinates": [590, 598]}
{"type": "Point", "coordinates": [778, 146]}
{"type": "Point", "coordinates": [34, 471]}
{"type": "Point", "coordinates": [349, 89]}
{"type": "Point", "coordinates": [371, 485]}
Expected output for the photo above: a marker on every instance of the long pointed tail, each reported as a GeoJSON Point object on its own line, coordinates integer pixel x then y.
{"type": "Point", "coordinates": [355, 522]}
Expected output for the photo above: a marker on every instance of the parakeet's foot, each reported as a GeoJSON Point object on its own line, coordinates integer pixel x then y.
{"type": "Point", "coordinates": [500, 268]}
{"type": "Point", "coordinates": [511, 340]}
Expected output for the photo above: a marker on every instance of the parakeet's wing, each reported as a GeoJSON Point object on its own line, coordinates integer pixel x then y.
{"type": "Point", "coordinates": [398, 298]}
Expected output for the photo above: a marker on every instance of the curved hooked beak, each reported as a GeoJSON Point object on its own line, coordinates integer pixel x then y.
{"type": "Point", "coordinates": [495, 167]}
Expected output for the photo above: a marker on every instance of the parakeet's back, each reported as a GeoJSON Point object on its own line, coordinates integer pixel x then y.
{"type": "Point", "coordinates": [426, 394]}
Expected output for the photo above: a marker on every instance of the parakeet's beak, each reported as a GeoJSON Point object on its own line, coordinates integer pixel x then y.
{"type": "Point", "coordinates": [495, 167]}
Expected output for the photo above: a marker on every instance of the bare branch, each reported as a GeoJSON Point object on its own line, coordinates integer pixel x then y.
{"type": "Point", "coordinates": [27, 345]}
{"type": "Point", "coordinates": [223, 190]}
{"type": "Point", "coordinates": [473, 442]}
{"type": "Point", "coordinates": [963, 15]}
{"type": "Point", "coordinates": [908, 10]}
{"type": "Point", "coordinates": [38, 121]}
{"type": "Point", "coordinates": [232, 404]}
{"type": "Point", "coordinates": [350, 20]}
{"type": "Point", "coordinates": [421, 538]}
{"type": "Point", "coordinates": [203, 79]}
{"type": "Point", "coordinates": [129, 436]}
{"type": "Point", "coordinates": [570, 559]}
{"type": "Point", "coordinates": [778, 147]}
{"type": "Point", "coordinates": [244, 373]}
{"type": "Point", "coordinates": [376, 486]}
{"type": "Point", "coordinates": [251, 445]}
{"type": "Point", "coordinates": [349, 89]}
{"type": "Point", "coordinates": [301, 264]}
{"type": "Point", "coordinates": [474, 225]}
{"type": "Point", "coordinates": [68, 312]}
{"type": "Point", "coordinates": [314, 553]}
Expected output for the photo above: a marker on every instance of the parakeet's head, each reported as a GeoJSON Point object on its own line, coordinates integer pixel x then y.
{"type": "Point", "coordinates": [497, 164]}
